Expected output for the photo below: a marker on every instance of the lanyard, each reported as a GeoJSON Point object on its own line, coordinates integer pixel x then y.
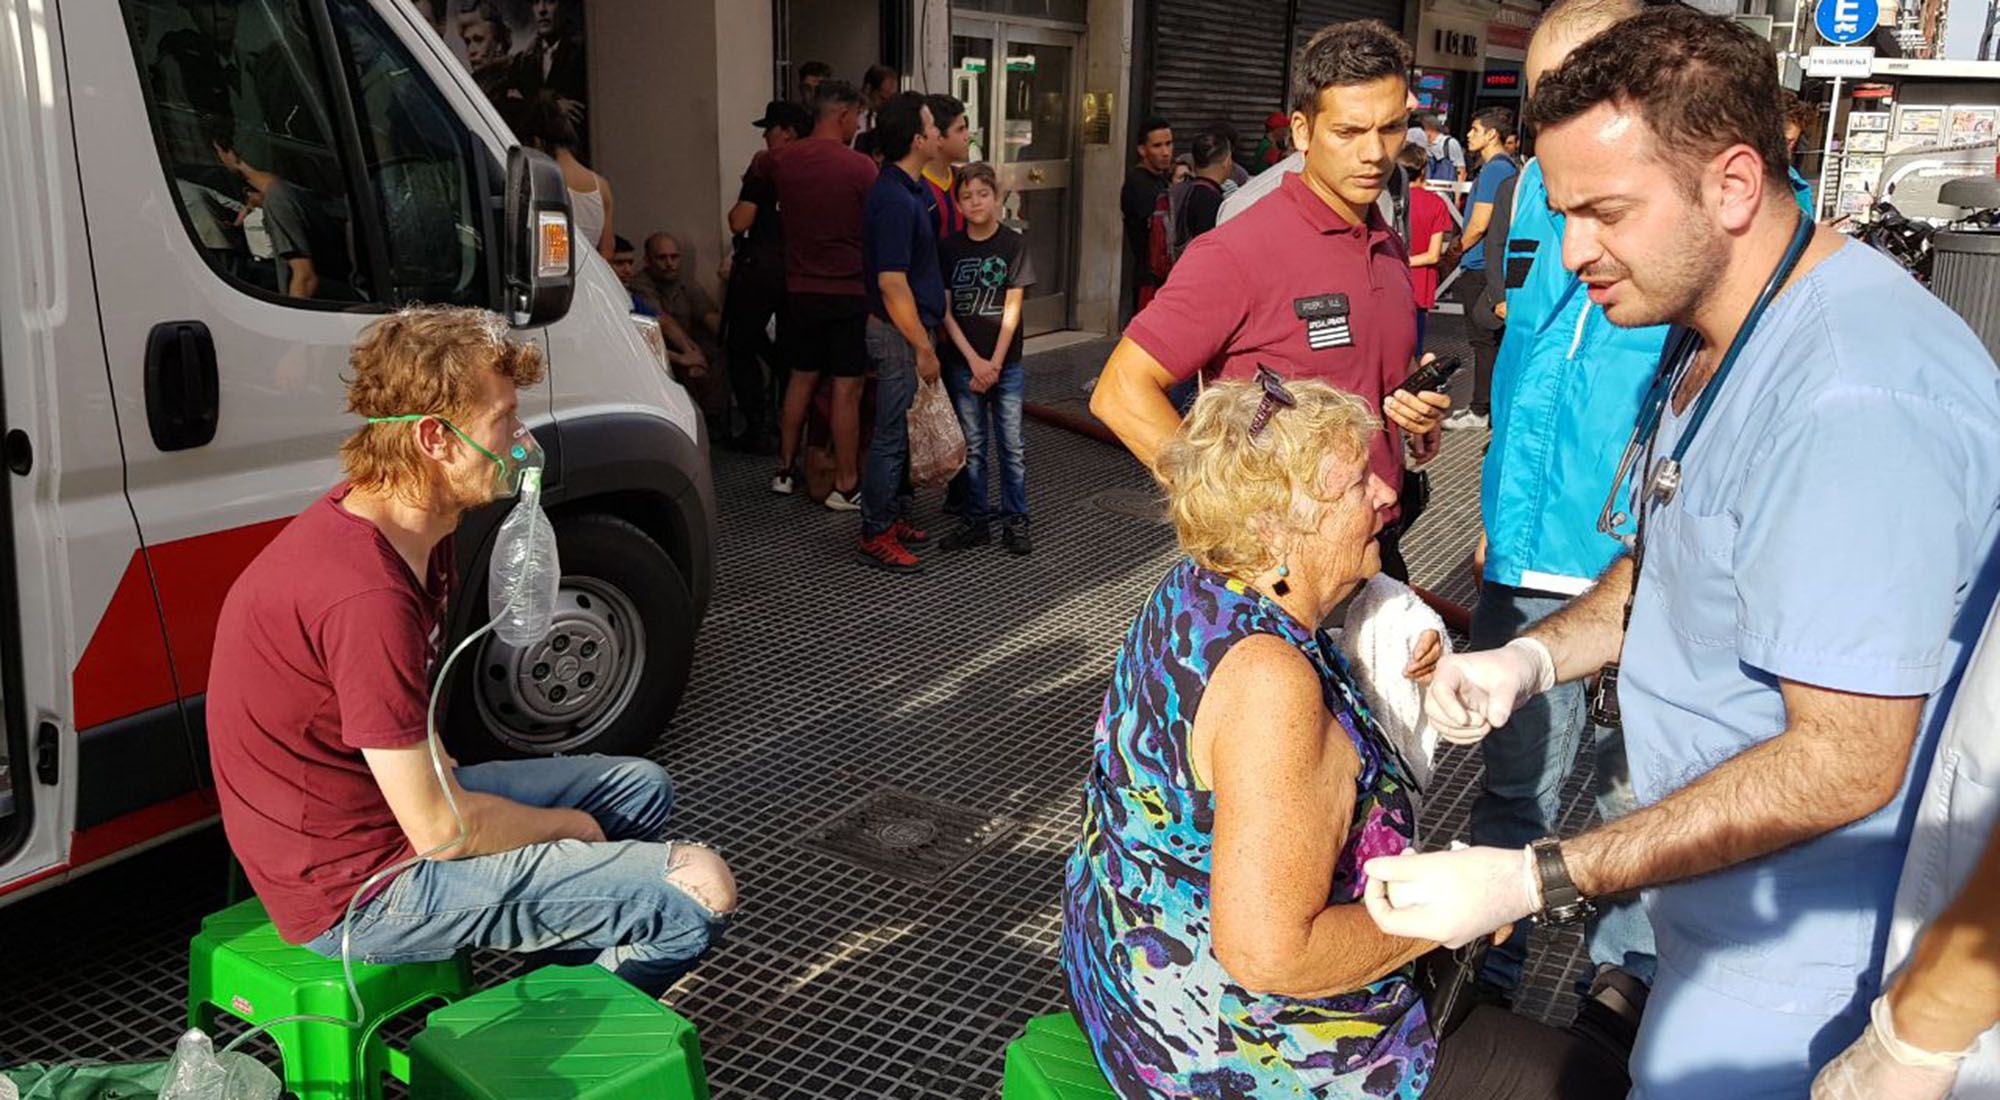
{"type": "Point", "coordinates": [1665, 479]}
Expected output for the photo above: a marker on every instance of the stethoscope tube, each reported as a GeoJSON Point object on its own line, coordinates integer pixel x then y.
{"type": "Point", "coordinates": [1666, 476]}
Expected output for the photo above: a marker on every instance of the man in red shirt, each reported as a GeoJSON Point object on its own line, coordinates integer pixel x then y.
{"type": "Point", "coordinates": [821, 186]}
{"type": "Point", "coordinates": [318, 703]}
{"type": "Point", "coordinates": [1311, 282]}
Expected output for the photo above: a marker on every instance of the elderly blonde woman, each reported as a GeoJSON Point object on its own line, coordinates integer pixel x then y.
{"type": "Point", "coordinates": [1214, 936]}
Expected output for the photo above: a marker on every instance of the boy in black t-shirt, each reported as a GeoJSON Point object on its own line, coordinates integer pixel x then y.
{"type": "Point", "coordinates": [986, 276]}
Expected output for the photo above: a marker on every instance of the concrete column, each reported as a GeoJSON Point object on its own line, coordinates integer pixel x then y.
{"type": "Point", "coordinates": [1107, 66]}
{"type": "Point", "coordinates": [674, 86]}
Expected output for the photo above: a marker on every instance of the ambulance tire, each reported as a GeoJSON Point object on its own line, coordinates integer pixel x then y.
{"type": "Point", "coordinates": [610, 674]}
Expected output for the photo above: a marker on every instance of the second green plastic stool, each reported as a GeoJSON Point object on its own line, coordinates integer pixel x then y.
{"type": "Point", "coordinates": [1053, 1062]}
{"type": "Point", "coordinates": [238, 965]}
{"type": "Point", "coordinates": [568, 1032]}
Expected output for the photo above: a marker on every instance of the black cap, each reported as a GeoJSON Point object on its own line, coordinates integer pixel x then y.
{"type": "Point", "coordinates": [783, 112]}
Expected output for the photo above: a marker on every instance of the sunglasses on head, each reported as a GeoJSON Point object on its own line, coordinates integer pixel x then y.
{"type": "Point", "coordinates": [1276, 396]}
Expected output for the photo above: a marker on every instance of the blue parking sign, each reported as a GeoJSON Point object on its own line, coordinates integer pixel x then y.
{"type": "Point", "coordinates": [1845, 22]}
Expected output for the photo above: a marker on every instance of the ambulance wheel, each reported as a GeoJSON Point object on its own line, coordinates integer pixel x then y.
{"type": "Point", "coordinates": [609, 674]}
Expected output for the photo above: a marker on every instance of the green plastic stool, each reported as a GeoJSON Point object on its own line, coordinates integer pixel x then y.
{"type": "Point", "coordinates": [569, 1032]}
{"type": "Point", "coordinates": [238, 965]}
{"type": "Point", "coordinates": [1053, 1062]}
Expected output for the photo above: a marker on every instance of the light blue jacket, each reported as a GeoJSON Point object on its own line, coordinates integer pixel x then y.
{"type": "Point", "coordinates": [1566, 393]}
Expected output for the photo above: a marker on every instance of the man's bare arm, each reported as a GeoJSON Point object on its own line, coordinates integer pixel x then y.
{"type": "Point", "coordinates": [1589, 632]}
{"type": "Point", "coordinates": [492, 824]}
{"type": "Point", "coordinates": [1131, 399]}
{"type": "Point", "coordinates": [1840, 758]}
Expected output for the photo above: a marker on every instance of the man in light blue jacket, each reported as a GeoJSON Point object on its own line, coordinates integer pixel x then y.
{"type": "Point", "coordinates": [1566, 393]}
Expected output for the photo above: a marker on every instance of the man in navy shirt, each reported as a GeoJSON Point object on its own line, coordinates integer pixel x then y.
{"type": "Point", "coordinates": [1488, 139]}
{"type": "Point", "coordinates": [905, 305]}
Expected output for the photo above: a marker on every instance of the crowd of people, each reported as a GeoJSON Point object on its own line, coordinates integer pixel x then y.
{"type": "Point", "coordinates": [868, 259]}
{"type": "Point", "coordinates": [1739, 543]}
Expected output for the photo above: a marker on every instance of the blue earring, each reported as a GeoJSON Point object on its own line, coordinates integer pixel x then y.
{"type": "Point", "coordinates": [1283, 587]}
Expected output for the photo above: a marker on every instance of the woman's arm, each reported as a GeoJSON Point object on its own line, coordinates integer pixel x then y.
{"type": "Point", "coordinates": [1284, 778]}
{"type": "Point", "coordinates": [1430, 256]}
{"type": "Point", "coordinates": [607, 241]}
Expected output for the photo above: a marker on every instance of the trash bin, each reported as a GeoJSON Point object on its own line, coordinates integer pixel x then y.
{"type": "Point", "coordinates": [1965, 267]}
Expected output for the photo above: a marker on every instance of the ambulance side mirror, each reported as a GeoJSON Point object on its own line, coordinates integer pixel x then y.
{"type": "Point", "coordinates": [541, 240]}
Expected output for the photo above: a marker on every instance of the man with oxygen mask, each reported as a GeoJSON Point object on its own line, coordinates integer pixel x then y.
{"type": "Point", "coordinates": [1815, 482]}
{"type": "Point", "coordinates": [350, 821]}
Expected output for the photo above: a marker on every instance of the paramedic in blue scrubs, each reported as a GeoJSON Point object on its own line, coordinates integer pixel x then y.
{"type": "Point", "coordinates": [1806, 587]}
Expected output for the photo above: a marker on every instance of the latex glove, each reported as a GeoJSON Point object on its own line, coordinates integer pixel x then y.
{"type": "Point", "coordinates": [1474, 694]}
{"type": "Point", "coordinates": [1880, 1066]}
{"type": "Point", "coordinates": [1451, 897]}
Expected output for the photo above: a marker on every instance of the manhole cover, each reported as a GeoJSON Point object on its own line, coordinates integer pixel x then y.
{"type": "Point", "coordinates": [908, 836]}
{"type": "Point", "coordinates": [1131, 503]}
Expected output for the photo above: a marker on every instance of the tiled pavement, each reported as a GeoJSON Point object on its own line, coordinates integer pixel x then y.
{"type": "Point", "coordinates": [818, 683]}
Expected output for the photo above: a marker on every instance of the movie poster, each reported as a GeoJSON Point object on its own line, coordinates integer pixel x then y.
{"type": "Point", "coordinates": [527, 55]}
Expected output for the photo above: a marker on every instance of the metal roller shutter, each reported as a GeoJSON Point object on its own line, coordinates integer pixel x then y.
{"type": "Point", "coordinates": [1217, 61]}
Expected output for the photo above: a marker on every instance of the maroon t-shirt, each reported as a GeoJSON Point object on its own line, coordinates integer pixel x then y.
{"type": "Point", "coordinates": [822, 187]}
{"type": "Point", "coordinates": [1290, 285]}
{"type": "Point", "coordinates": [325, 647]}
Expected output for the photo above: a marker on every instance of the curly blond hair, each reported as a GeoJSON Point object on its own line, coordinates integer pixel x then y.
{"type": "Point", "coordinates": [1231, 494]}
{"type": "Point", "coordinates": [426, 360]}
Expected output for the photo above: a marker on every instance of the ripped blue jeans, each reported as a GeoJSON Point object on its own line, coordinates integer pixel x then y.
{"type": "Point", "coordinates": [612, 903]}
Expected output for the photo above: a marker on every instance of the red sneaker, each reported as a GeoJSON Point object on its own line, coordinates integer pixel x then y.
{"type": "Point", "coordinates": [885, 552]}
{"type": "Point", "coordinates": [909, 534]}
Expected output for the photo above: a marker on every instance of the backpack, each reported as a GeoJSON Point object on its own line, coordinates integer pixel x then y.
{"type": "Point", "coordinates": [1444, 168]}
{"type": "Point", "coordinates": [1160, 238]}
{"type": "Point", "coordinates": [1177, 202]}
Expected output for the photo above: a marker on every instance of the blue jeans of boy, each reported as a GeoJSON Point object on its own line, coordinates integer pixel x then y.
{"type": "Point", "coordinates": [991, 417]}
{"type": "Point", "coordinates": [1527, 761]}
{"type": "Point", "coordinates": [575, 902]}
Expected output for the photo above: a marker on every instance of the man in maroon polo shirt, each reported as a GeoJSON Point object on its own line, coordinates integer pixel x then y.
{"type": "Point", "coordinates": [821, 186]}
{"type": "Point", "coordinates": [1311, 282]}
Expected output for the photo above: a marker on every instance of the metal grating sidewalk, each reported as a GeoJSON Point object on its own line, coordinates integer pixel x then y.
{"type": "Point", "coordinates": [818, 683]}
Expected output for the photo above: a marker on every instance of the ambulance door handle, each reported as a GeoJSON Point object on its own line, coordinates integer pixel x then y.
{"type": "Point", "coordinates": [183, 391]}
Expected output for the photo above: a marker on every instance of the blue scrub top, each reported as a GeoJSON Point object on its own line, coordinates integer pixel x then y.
{"type": "Point", "coordinates": [1836, 526]}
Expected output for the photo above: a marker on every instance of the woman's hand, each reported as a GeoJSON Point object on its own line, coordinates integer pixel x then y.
{"type": "Point", "coordinates": [1424, 659]}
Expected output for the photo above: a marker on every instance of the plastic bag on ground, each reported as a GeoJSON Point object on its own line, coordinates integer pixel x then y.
{"type": "Point", "coordinates": [197, 1072]}
{"type": "Point", "coordinates": [937, 443]}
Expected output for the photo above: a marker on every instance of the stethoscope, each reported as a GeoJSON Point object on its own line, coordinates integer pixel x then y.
{"type": "Point", "coordinates": [1666, 476]}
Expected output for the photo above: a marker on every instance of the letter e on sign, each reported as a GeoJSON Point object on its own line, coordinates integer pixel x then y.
{"type": "Point", "coordinates": [1844, 22]}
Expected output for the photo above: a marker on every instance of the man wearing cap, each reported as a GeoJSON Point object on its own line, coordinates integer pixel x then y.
{"type": "Point", "coordinates": [1277, 143]}
{"type": "Point", "coordinates": [1313, 283]}
{"type": "Point", "coordinates": [755, 292]}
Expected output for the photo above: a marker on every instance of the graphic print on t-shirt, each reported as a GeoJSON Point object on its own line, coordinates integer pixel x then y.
{"type": "Point", "coordinates": [977, 276]}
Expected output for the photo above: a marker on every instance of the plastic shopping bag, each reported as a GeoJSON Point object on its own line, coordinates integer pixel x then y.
{"type": "Point", "coordinates": [937, 443]}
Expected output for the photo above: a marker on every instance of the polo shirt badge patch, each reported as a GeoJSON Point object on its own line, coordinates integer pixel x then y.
{"type": "Point", "coordinates": [1326, 318]}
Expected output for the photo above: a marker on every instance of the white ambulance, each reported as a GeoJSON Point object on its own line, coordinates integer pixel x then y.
{"type": "Point", "coordinates": [202, 203]}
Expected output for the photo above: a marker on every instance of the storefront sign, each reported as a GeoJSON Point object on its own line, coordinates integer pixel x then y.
{"type": "Point", "coordinates": [1845, 62]}
{"type": "Point", "coordinates": [1451, 42]}
{"type": "Point", "coordinates": [1098, 109]}
{"type": "Point", "coordinates": [1506, 80]}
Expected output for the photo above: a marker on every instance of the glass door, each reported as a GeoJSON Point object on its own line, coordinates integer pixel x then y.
{"type": "Point", "coordinates": [1019, 86]}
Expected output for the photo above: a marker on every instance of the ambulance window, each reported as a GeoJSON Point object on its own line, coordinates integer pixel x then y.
{"type": "Point", "coordinates": [419, 160]}
{"type": "Point", "coordinates": [240, 114]}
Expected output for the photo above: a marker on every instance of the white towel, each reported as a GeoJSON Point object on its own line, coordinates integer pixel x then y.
{"type": "Point", "coordinates": [1384, 622]}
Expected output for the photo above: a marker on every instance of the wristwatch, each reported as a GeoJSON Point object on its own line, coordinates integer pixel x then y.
{"type": "Point", "coordinates": [1562, 902]}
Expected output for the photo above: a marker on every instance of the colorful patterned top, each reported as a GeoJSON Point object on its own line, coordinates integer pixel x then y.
{"type": "Point", "coordinates": [1162, 1014]}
